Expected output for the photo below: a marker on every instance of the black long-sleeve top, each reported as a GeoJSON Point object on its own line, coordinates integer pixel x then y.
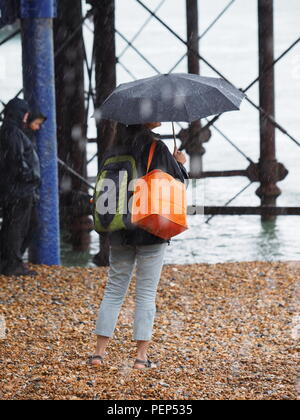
{"type": "Point", "coordinates": [164, 160]}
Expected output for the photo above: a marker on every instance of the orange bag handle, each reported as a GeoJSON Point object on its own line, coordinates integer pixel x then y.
{"type": "Point", "coordinates": [151, 154]}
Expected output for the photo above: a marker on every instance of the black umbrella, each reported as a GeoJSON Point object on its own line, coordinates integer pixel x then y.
{"type": "Point", "coordinates": [171, 97]}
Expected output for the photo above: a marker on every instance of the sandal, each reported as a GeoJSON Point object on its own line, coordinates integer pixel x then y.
{"type": "Point", "coordinates": [91, 359]}
{"type": "Point", "coordinates": [146, 363]}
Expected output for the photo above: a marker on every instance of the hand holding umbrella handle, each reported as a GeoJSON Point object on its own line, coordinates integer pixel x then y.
{"type": "Point", "coordinates": [179, 156]}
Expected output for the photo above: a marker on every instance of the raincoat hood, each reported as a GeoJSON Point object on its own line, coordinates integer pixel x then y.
{"type": "Point", "coordinates": [34, 115]}
{"type": "Point", "coordinates": [15, 110]}
{"type": "Point", "coordinates": [20, 175]}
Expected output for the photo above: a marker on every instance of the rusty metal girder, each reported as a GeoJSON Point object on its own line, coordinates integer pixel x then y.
{"type": "Point", "coordinates": [270, 171]}
{"type": "Point", "coordinates": [243, 211]}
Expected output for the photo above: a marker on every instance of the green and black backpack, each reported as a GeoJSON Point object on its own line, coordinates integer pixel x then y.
{"type": "Point", "coordinates": [113, 191]}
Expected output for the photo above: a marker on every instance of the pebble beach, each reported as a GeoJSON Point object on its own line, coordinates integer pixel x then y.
{"type": "Point", "coordinates": [222, 332]}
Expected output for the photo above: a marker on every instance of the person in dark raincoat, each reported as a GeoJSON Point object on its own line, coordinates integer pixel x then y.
{"type": "Point", "coordinates": [19, 188]}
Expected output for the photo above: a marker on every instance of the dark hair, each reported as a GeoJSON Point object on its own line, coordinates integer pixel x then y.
{"type": "Point", "coordinates": [132, 135]}
{"type": "Point", "coordinates": [36, 115]}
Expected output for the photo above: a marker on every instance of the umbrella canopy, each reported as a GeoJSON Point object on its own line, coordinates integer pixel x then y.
{"type": "Point", "coordinates": [171, 97]}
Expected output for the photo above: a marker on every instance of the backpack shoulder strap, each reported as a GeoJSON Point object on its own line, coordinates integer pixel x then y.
{"type": "Point", "coordinates": [151, 154]}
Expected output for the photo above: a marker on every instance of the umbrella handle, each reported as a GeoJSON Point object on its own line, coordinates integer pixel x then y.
{"type": "Point", "coordinates": [174, 135]}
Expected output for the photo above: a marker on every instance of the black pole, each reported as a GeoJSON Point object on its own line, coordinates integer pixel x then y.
{"type": "Point", "coordinates": [268, 165]}
{"type": "Point", "coordinates": [105, 60]}
{"type": "Point", "coordinates": [71, 129]}
{"type": "Point", "coordinates": [39, 90]}
{"type": "Point", "coordinates": [191, 139]}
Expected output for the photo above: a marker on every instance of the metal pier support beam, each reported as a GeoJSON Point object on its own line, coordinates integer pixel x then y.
{"type": "Point", "coordinates": [192, 141]}
{"type": "Point", "coordinates": [106, 79]}
{"type": "Point", "coordinates": [38, 76]}
{"type": "Point", "coordinates": [71, 124]}
{"type": "Point", "coordinates": [270, 171]}
{"type": "Point", "coordinates": [243, 211]}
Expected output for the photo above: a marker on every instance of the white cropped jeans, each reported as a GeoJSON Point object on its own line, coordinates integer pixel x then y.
{"type": "Point", "coordinates": [123, 258]}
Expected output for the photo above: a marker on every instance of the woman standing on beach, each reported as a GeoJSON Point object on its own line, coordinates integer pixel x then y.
{"type": "Point", "coordinates": [136, 247]}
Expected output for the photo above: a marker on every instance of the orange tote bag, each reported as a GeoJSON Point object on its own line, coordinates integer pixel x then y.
{"type": "Point", "coordinates": [159, 202]}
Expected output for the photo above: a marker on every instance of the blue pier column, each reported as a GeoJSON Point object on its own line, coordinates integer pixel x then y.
{"type": "Point", "coordinates": [39, 90]}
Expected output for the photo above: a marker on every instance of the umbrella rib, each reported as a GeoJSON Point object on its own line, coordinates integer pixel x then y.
{"type": "Point", "coordinates": [181, 98]}
{"type": "Point", "coordinates": [187, 112]}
